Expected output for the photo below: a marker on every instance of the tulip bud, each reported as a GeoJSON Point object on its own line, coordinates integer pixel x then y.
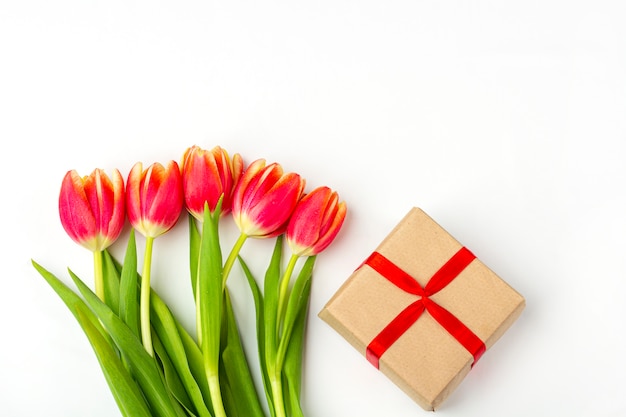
{"type": "Point", "coordinates": [315, 222]}
{"type": "Point", "coordinates": [265, 198]}
{"type": "Point", "coordinates": [154, 198]}
{"type": "Point", "coordinates": [207, 177]}
{"type": "Point", "coordinates": [92, 208]}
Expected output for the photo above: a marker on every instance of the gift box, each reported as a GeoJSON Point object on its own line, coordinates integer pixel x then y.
{"type": "Point", "coordinates": [423, 309]}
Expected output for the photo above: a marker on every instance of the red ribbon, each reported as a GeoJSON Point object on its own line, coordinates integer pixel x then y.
{"type": "Point", "coordinates": [403, 321]}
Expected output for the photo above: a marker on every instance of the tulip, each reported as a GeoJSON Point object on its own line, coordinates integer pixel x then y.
{"type": "Point", "coordinates": [92, 213]}
{"type": "Point", "coordinates": [265, 198]}
{"type": "Point", "coordinates": [315, 222]}
{"type": "Point", "coordinates": [207, 177]}
{"type": "Point", "coordinates": [154, 198]}
{"type": "Point", "coordinates": [92, 208]}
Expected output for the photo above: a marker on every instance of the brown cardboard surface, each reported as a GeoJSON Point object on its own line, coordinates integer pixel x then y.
{"type": "Point", "coordinates": [426, 361]}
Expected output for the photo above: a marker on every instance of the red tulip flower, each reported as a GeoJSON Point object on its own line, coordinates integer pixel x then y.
{"type": "Point", "coordinates": [207, 177]}
{"type": "Point", "coordinates": [154, 198]}
{"type": "Point", "coordinates": [315, 222]}
{"type": "Point", "coordinates": [265, 198]}
{"type": "Point", "coordinates": [92, 208]}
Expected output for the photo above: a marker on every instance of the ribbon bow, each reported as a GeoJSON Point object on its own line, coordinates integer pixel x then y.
{"type": "Point", "coordinates": [407, 317]}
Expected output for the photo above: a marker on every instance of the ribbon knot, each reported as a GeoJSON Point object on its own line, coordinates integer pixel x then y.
{"type": "Point", "coordinates": [407, 317]}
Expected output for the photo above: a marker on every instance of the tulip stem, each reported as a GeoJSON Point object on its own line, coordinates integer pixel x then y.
{"type": "Point", "coordinates": [146, 335]}
{"type": "Point", "coordinates": [98, 274]}
{"type": "Point", "coordinates": [277, 394]}
{"type": "Point", "coordinates": [284, 288]}
{"type": "Point", "coordinates": [216, 393]}
{"type": "Point", "coordinates": [232, 257]}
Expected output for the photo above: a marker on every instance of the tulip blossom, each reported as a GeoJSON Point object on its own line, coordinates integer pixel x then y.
{"type": "Point", "coordinates": [207, 177]}
{"type": "Point", "coordinates": [315, 222]}
{"type": "Point", "coordinates": [265, 198]}
{"type": "Point", "coordinates": [92, 213]}
{"type": "Point", "coordinates": [154, 198]}
{"type": "Point", "coordinates": [92, 208]}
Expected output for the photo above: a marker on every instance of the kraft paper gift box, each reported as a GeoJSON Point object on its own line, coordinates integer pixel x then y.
{"type": "Point", "coordinates": [423, 309]}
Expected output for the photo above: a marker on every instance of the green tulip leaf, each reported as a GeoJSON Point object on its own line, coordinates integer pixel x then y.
{"type": "Point", "coordinates": [195, 360]}
{"type": "Point", "coordinates": [125, 391]}
{"type": "Point", "coordinates": [129, 287]}
{"type": "Point", "coordinates": [166, 328]}
{"type": "Point", "coordinates": [292, 368]}
{"type": "Point", "coordinates": [171, 378]}
{"type": "Point", "coordinates": [116, 263]}
{"type": "Point", "coordinates": [260, 328]}
{"type": "Point", "coordinates": [270, 304]}
{"type": "Point", "coordinates": [298, 301]}
{"type": "Point", "coordinates": [111, 281]}
{"type": "Point", "coordinates": [209, 303]}
{"type": "Point", "coordinates": [194, 251]}
{"type": "Point", "coordinates": [237, 371]}
{"type": "Point", "coordinates": [69, 297]}
{"type": "Point", "coordinates": [143, 366]}
{"type": "Point", "coordinates": [210, 288]}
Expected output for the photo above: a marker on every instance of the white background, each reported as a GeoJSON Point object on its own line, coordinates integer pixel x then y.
{"type": "Point", "coordinates": [504, 120]}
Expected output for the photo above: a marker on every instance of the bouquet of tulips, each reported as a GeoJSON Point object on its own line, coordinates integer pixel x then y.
{"type": "Point", "coordinates": [153, 365]}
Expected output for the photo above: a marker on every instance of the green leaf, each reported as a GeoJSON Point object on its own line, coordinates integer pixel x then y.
{"type": "Point", "coordinates": [166, 328]}
{"type": "Point", "coordinates": [124, 389]}
{"type": "Point", "coordinates": [195, 360]}
{"type": "Point", "coordinates": [298, 300]}
{"type": "Point", "coordinates": [237, 370]}
{"type": "Point", "coordinates": [210, 288]}
{"type": "Point", "coordinates": [228, 399]}
{"type": "Point", "coordinates": [116, 263]}
{"type": "Point", "coordinates": [292, 368]}
{"type": "Point", "coordinates": [129, 287]}
{"type": "Point", "coordinates": [209, 303]}
{"type": "Point", "coordinates": [194, 252]}
{"type": "Point", "coordinates": [260, 329]}
{"type": "Point", "coordinates": [171, 378]}
{"type": "Point", "coordinates": [270, 313]}
{"type": "Point", "coordinates": [143, 366]}
{"type": "Point", "coordinates": [111, 282]}
{"type": "Point", "coordinates": [69, 297]}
